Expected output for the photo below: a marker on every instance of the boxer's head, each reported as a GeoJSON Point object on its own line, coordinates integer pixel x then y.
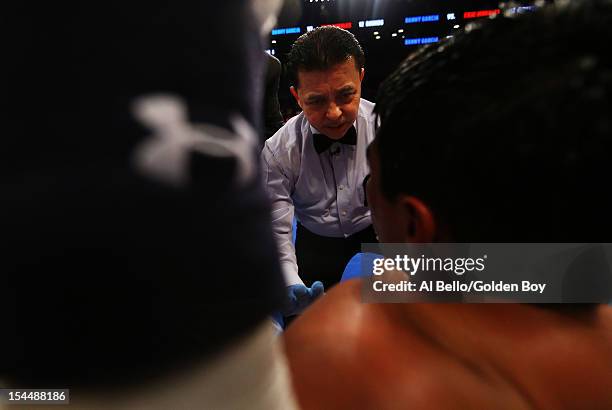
{"type": "Point", "coordinates": [325, 67]}
{"type": "Point", "coordinates": [136, 206]}
{"type": "Point", "coordinates": [502, 134]}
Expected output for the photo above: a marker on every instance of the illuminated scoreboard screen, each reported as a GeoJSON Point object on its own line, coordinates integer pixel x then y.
{"type": "Point", "coordinates": [388, 30]}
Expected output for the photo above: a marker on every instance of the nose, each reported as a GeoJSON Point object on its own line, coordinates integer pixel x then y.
{"type": "Point", "coordinates": [333, 112]}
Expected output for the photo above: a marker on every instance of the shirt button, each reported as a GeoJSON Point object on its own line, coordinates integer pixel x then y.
{"type": "Point", "coordinates": [343, 213]}
{"type": "Point", "coordinates": [341, 187]}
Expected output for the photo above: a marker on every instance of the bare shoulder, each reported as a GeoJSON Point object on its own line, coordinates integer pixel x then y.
{"type": "Point", "coordinates": [347, 354]}
{"type": "Point", "coordinates": [338, 315]}
{"type": "Point", "coordinates": [326, 351]}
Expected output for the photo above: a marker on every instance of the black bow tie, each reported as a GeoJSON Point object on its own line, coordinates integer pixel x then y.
{"type": "Point", "coordinates": [323, 142]}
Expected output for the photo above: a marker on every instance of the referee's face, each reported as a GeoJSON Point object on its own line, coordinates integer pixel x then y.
{"type": "Point", "coordinates": [330, 98]}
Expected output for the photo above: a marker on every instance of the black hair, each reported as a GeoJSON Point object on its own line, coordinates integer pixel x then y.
{"type": "Point", "coordinates": [321, 49]}
{"type": "Point", "coordinates": [505, 129]}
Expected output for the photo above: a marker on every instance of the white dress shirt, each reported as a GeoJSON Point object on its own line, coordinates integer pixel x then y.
{"type": "Point", "coordinates": [324, 190]}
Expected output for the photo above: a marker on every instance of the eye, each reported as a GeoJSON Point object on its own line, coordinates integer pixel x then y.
{"type": "Point", "coordinates": [347, 95]}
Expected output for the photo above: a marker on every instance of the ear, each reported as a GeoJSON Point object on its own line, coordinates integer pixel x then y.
{"type": "Point", "coordinates": [295, 95]}
{"type": "Point", "coordinates": [420, 223]}
{"type": "Point", "coordinates": [361, 74]}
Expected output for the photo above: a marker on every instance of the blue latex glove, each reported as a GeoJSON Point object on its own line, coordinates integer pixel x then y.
{"type": "Point", "coordinates": [299, 297]}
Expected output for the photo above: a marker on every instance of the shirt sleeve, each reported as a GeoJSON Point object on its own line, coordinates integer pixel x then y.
{"type": "Point", "coordinates": [279, 186]}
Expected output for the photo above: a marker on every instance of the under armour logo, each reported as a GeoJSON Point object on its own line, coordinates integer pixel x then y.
{"type": "Point", "coordinates": [166, 154]}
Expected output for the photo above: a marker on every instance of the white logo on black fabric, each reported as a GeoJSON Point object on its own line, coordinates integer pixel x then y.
{"type": "Point", "coordinates": [166, 154]}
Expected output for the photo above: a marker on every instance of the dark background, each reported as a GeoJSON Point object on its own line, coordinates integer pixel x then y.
{"type": "Point", "coordinates": [383, 54]}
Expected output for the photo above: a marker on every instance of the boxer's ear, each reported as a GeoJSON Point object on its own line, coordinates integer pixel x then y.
{"type": "Point", "coordinates": [295, 95]}
{"type": "Point", "coordinates": [361, 74]}
{"type": "Point", "coordinates": [420, 225]}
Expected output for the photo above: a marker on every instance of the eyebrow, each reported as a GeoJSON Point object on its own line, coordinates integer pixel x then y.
{"type": "Point", "coordinates": [312, 97]}
{"type": "Point", "coordinates": [346, 88]}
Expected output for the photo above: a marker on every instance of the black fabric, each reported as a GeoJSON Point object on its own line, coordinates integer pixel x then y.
{"type": "Point", "coordinates": [324, 258]}
{"type": "Point", "coordinates": [110, 276]}
{"type": "Point", "coordinates": [273, 119]}
{"type": "Point", "coordinates": [323, 142]}
{"type": "Point", "coordinates": [364, 185]}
